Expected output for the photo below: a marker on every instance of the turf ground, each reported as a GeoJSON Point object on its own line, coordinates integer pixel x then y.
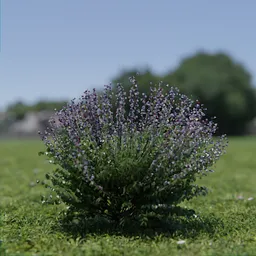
{"type": "Point", "coordinates": [29, 228]}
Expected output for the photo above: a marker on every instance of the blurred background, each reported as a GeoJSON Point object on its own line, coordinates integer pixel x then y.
{"type": "Point", "coordinates": [52, 51]}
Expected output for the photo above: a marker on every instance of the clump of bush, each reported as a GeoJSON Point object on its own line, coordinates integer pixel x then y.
{"type": "Point", "coordinates": [126, 164]}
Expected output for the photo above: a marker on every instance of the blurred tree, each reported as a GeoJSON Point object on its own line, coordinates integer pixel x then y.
{"type": "Point", "coordinates": [48, 105]}
{"type": "Point", "coordinates": [19, 109]}
{"type": "Point", "coordinates": [145, 78]}
{"type": "Point", "coordinates": [222, 85]}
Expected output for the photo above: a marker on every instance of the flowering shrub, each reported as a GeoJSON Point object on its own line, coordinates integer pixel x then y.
{"type": "Point", "coordinates": [137, 156]}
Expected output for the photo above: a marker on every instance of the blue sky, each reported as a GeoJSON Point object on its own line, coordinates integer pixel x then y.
{"type": "Point", "coordinates": [55, 49]}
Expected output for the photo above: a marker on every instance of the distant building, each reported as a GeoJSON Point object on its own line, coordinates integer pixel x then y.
{"type": "Point", "coordinates": [29, 126]}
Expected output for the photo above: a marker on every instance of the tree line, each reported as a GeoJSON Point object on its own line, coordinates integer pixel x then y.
{"type": "Point", "coordinates": [218, 81]}
{"type": "Point", "coordinates": [222, 84]}
{"type": "Point", "coordinates": [19, 109]}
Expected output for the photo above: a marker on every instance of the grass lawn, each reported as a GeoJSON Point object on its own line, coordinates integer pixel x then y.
{"type": "Point", "coordinates": [226, 222]}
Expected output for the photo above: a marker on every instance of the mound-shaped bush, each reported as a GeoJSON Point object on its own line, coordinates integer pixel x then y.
{"type": "Point", "coordinates": [127, 165]}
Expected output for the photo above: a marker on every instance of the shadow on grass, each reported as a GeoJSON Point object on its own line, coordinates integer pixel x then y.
{"type": "Point", "coordinates": [183, 223]}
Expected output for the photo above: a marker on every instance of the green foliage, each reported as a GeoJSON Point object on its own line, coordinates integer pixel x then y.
{"type": "Point", "coordinates": [18, 110]}
{"type": "Point", "coordinates": [222, 84]}
{"type": "Point", "coordinates": [225, 225]}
